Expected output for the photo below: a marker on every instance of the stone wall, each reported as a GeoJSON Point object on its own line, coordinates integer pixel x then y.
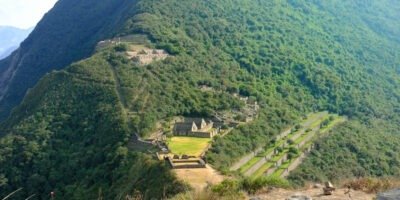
{"type": "Point", "coordinates": [260, 163]}
{"type": "Point", "coordinates": [270, 171]}
{"type": "Point", "coordinates": [296, 162]}
{"type": "Point", "coordinates": [283, 134]}
{"type": "Point", "coordinates": [185, 164]}
{"type": "Point", "coordinates": [251, 155]}
{"type": "Point", "coordinates": [245, 159]}
{"type": "Point", "coordinates": [201, 134]}
{"type": "Point", "coordinates": [189, 166]}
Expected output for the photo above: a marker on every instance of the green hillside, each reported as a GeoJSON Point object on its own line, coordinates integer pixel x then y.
{"type": "Point", "coordinates": [67, 33]}
{"type": "Point", "coordinates": [69, 135]}
{"type": "Point", "coordinates": [71, 132]}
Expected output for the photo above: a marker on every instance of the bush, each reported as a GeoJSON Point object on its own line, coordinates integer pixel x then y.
{"type": "Point", "coordinates": [121, 48]}
{"type": "Point", "coordinates": [279, 149]}
{"type": "Point", "coordinates": [293, 150]}
{"type": "Point", "coordinates": [252, 185]}
{"type": "Point", "coordinates": [277, 182]}
{"type": "Point", "coordinates": [227, 187]}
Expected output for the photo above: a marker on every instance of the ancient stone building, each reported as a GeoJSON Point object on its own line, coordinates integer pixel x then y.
{"type": "Point", "coordinates": [195, 127]}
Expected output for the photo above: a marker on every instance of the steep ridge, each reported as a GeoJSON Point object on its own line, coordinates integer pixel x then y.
{"type": "Point", "coordinates": [10, 38]}
{"type": "Point", "coordinates": [68, 33]}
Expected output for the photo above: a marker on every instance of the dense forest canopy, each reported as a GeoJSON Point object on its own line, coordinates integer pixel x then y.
{"type": "Point", "coordinates": [71, 132]}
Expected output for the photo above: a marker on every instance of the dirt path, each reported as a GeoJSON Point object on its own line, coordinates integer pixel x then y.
{"type": "Point", "coordinates": [315, 194]}
{"type": "Point", "coordinates": [118, 89]}
{"type": "Point", "coordinates": [142, 85]}
{"type": "Point", "coordinates": [227, 132]}
{"type": "Point", "coordinates": [135, 137]}
{"type": "Point", "coordinates": [200, 178]}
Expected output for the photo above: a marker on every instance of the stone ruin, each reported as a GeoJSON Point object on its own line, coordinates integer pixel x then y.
{"type": "Point", "coordinates": [147, 56]}
{"type": "Point", "coordinates": [185, 162]}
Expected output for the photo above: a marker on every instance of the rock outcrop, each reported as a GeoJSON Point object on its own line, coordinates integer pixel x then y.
{"type": "Point", "coordinates": [389, 195]}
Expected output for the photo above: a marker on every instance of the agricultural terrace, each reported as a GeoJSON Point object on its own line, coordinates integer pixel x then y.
{"type": "Point", "coordinates": [287, 152]}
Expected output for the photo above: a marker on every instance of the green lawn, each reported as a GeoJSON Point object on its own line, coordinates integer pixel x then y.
{"type": "Point", "coordinates": [188, 145]}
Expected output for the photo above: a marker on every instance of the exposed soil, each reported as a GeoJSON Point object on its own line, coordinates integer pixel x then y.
{"type": "Point", "coordinates": [315, 194]}
{"type": "Point", "coordinates": [199, 178]}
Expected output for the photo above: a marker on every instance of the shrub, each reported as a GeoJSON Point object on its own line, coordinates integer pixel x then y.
{"type": "Point", "coordinates": [279, 149]}
{"type": "Point", "coordinates": [253, 185]}
{"type": "Point", "coordinates": [227, 187]}
{"type": "Point", "coordinates": [121, 48]}
{"type": "Point", "coordinates": [293, 150]}
{"type": "Point", "coordinates": [277, 182]}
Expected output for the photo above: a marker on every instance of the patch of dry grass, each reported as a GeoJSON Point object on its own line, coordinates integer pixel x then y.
{"type": "Point", "coordinates": [373, 185]}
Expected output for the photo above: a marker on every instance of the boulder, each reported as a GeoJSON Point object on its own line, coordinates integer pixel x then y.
{"type": "Point", "coordinates": [328, 189]}
{"type": "Point", "coordinates": [389, 195]}
{"type": "Point", "coordinates": [329, 185]}
{"type": "Point", "coordinates": [317, 185]}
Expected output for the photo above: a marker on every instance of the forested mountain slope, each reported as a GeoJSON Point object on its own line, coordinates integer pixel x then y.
{"type": "Point", "coordinates": [293, 57]}
{"type": "Point", "coordinates": [71, 137]}
{"type": "Point", "coordinates": [69, 32]}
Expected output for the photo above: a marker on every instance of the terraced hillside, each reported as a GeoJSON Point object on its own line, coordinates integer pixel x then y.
{"type": "Point", "coordinates": [289, 148]}
{"type": "Point", "coordinates": [71, 132]}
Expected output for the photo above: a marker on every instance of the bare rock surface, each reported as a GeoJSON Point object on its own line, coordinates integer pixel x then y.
{"type": "Point", "coordinates": [389, 195]}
